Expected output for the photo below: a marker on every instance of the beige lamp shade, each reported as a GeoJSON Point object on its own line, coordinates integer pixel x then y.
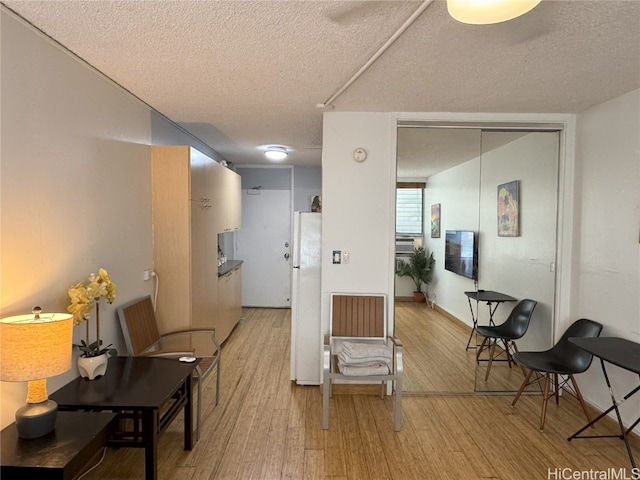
{"type": "Point", "coordinates": [35, 348]}
{"type": "Point", "coordinates": [481, 12]}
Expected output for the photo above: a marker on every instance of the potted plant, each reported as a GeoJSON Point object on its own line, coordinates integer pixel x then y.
{"type": "Point", "coordinates": [92, 362]}
{"type": "Point", "coordinates": [419, 267]}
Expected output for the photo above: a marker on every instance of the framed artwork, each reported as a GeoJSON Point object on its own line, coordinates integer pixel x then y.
{"type": "Point", "coordinates": [435, 221]}
{"type": "Point", "coordinates": [508, 210]}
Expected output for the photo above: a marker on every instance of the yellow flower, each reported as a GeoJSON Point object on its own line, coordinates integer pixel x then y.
{"type": "Point", "coordinates": [78, 294]}
{"type": "Point", "coordinates": [107, 288]}
{"type": "Point", "coordinates": [84, 297]}
{"type": "Point", "coordinates": [80, 312]}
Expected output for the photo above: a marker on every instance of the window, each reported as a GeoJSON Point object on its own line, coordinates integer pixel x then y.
{"type": "Point", "coordinates": [409, 215]}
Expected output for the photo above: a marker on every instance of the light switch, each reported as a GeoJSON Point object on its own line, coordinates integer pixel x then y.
{"type": "Point", "coordinates": [337, 257]}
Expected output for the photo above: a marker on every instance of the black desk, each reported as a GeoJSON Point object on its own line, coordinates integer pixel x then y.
{"type": "Point", "coordinates": [146, 393]}
{"type": "Point", "coordinates": [624, 354]}
{"type": "Point", "coordinates": [62, 454]}
{"type": "Point", "coordinates": [493, 300]}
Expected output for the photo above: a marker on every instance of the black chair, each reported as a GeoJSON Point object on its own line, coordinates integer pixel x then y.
{"type": "Point", "coordinates": [564, 358]}
{"type": "Point", "coordinates": [513, 328]}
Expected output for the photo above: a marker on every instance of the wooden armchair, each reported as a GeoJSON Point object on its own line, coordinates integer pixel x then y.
{"type": "Point", "coordinates": [361, 320]}
{"type": "Point", "coordinates": [142, 337]}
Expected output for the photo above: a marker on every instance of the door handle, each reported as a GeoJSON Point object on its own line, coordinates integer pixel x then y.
{"type": "Point", "coordinates": [286, 256]}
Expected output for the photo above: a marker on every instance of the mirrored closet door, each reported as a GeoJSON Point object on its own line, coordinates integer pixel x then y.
{"type": "Point", "coordinates": [500, 186]}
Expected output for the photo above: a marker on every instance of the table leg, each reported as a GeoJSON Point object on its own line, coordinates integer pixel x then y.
{"type": "Point", "coordinates": [188, 414]}
{"type": "Point", "coordinates": [492, 311]}
{"type": "Point", "coordinates": [199, 409]}
{"type": "Point", "coordinates": [613, 407]}
{"type": "Point", "coordinates": [150, 441]}
{"type": "Point", "coordinates": [474, 319]}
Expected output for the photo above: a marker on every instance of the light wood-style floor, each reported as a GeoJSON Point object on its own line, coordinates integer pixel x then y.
{"type": "Point", "coordinates": [436, 358]}
{"type": "Point", "coordinates": [434, 353]}
{"type": "Point", "coordinates": [265, 427]}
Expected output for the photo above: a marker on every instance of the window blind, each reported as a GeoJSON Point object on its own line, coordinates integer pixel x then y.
{"type": "Point", "coordinates": [409, 216]}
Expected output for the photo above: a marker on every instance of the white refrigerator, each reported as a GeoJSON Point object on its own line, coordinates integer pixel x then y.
{"type": "Point", "coordinates": [306, 340]}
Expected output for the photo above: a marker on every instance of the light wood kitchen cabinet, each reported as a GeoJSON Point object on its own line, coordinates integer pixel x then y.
{"type": "Point", "coordinates": [233, 196]}
{"type": "Point", "coordinates": [185, 238]}
{"type": "Point", "coordinates": [229, 301]}
{"type": "Point", "coordinates": [227, 199]}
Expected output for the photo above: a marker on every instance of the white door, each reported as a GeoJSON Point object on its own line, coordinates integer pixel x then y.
{"type": "Point", "coordinates": [264, 244]}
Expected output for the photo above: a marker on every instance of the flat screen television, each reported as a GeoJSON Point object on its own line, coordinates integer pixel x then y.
{"type": "Point", "coordinates": [461, 253]}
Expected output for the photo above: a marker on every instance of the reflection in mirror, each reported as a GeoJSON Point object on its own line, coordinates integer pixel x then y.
{"type": "Point", "coordinates": [448, 161]}
{"type": "Point", "coordinates": [518, 225]}
{"type": "Point", "coordinates": [462, 169]}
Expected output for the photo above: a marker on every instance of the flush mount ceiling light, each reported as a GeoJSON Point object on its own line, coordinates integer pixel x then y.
{"type": "Point", "coordinates": [276, 152]}
{"type": "Point", "coordinates": [483, 12]}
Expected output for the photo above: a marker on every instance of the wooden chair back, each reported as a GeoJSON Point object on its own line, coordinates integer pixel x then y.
{"type": "Point", "coordinates": [358, 316]}
{"type": "Point", "coordinates": [139, 326]}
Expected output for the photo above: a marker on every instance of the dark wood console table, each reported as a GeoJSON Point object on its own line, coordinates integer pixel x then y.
{"type": "Point", "coordinates": [146, 393]}
{"type": "Point", "coordinates": [62, 454]}
{"type": "Point", "coordinates": [493, 300]}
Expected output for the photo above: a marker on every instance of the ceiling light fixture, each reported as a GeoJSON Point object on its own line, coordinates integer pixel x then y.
{"type": "Point", "coordinates": [483, 12]}
{"type": "Point", "coordinates": [276, 152]}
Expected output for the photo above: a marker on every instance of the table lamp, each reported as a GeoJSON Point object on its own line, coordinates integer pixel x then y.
{"type": "Point", "coordinates": [32, 348]}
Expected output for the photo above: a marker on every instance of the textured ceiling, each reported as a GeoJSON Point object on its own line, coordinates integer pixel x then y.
{"type": "Point", "coordinates": [242, 74]}
{"type": "Point", "coordinates": [423, 152]}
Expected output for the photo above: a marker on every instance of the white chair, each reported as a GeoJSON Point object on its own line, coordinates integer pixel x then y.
{"type": "Point", "coordinates": [360, 318]}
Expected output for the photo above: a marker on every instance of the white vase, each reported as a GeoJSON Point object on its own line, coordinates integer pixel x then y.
{"type": "Point", "coordinates": [93, 367]}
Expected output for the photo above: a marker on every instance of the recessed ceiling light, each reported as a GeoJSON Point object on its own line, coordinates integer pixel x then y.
{"type": "Point", "coordinates": [276, 152]}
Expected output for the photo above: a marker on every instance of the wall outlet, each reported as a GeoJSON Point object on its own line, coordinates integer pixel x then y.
{"type": "Point", "coordinates": [148, 274]}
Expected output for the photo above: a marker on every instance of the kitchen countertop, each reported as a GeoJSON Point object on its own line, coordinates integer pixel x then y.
{"type": "Point", "coordinates": [228, 266]}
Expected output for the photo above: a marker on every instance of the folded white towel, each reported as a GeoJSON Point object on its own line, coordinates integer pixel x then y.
{"type": "Point", "coordinates": [362, 371]}
{"type": "Point", "coordinates": [366, 350]}
{"type": "Point", "coordinates": [345, 359]}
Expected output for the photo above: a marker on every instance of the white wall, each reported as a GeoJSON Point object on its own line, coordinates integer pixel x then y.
{"type": "Point", "coordinates": [357, 203]}
{"type": "Point", "coordinates": [75, 185]}
{"type": "Point", "coordinates": [606, 256]}
{"type": "Point", "coordinates": [457, 192]}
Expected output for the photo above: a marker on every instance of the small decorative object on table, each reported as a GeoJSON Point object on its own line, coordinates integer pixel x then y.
{"type": "Point", "coordinates": [92, 363]}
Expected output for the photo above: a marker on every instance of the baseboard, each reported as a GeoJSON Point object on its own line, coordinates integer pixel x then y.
{"type": "Point", "coordinates": [404, 299]}
{"type": "Point", "coordinates": [451, 317]}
